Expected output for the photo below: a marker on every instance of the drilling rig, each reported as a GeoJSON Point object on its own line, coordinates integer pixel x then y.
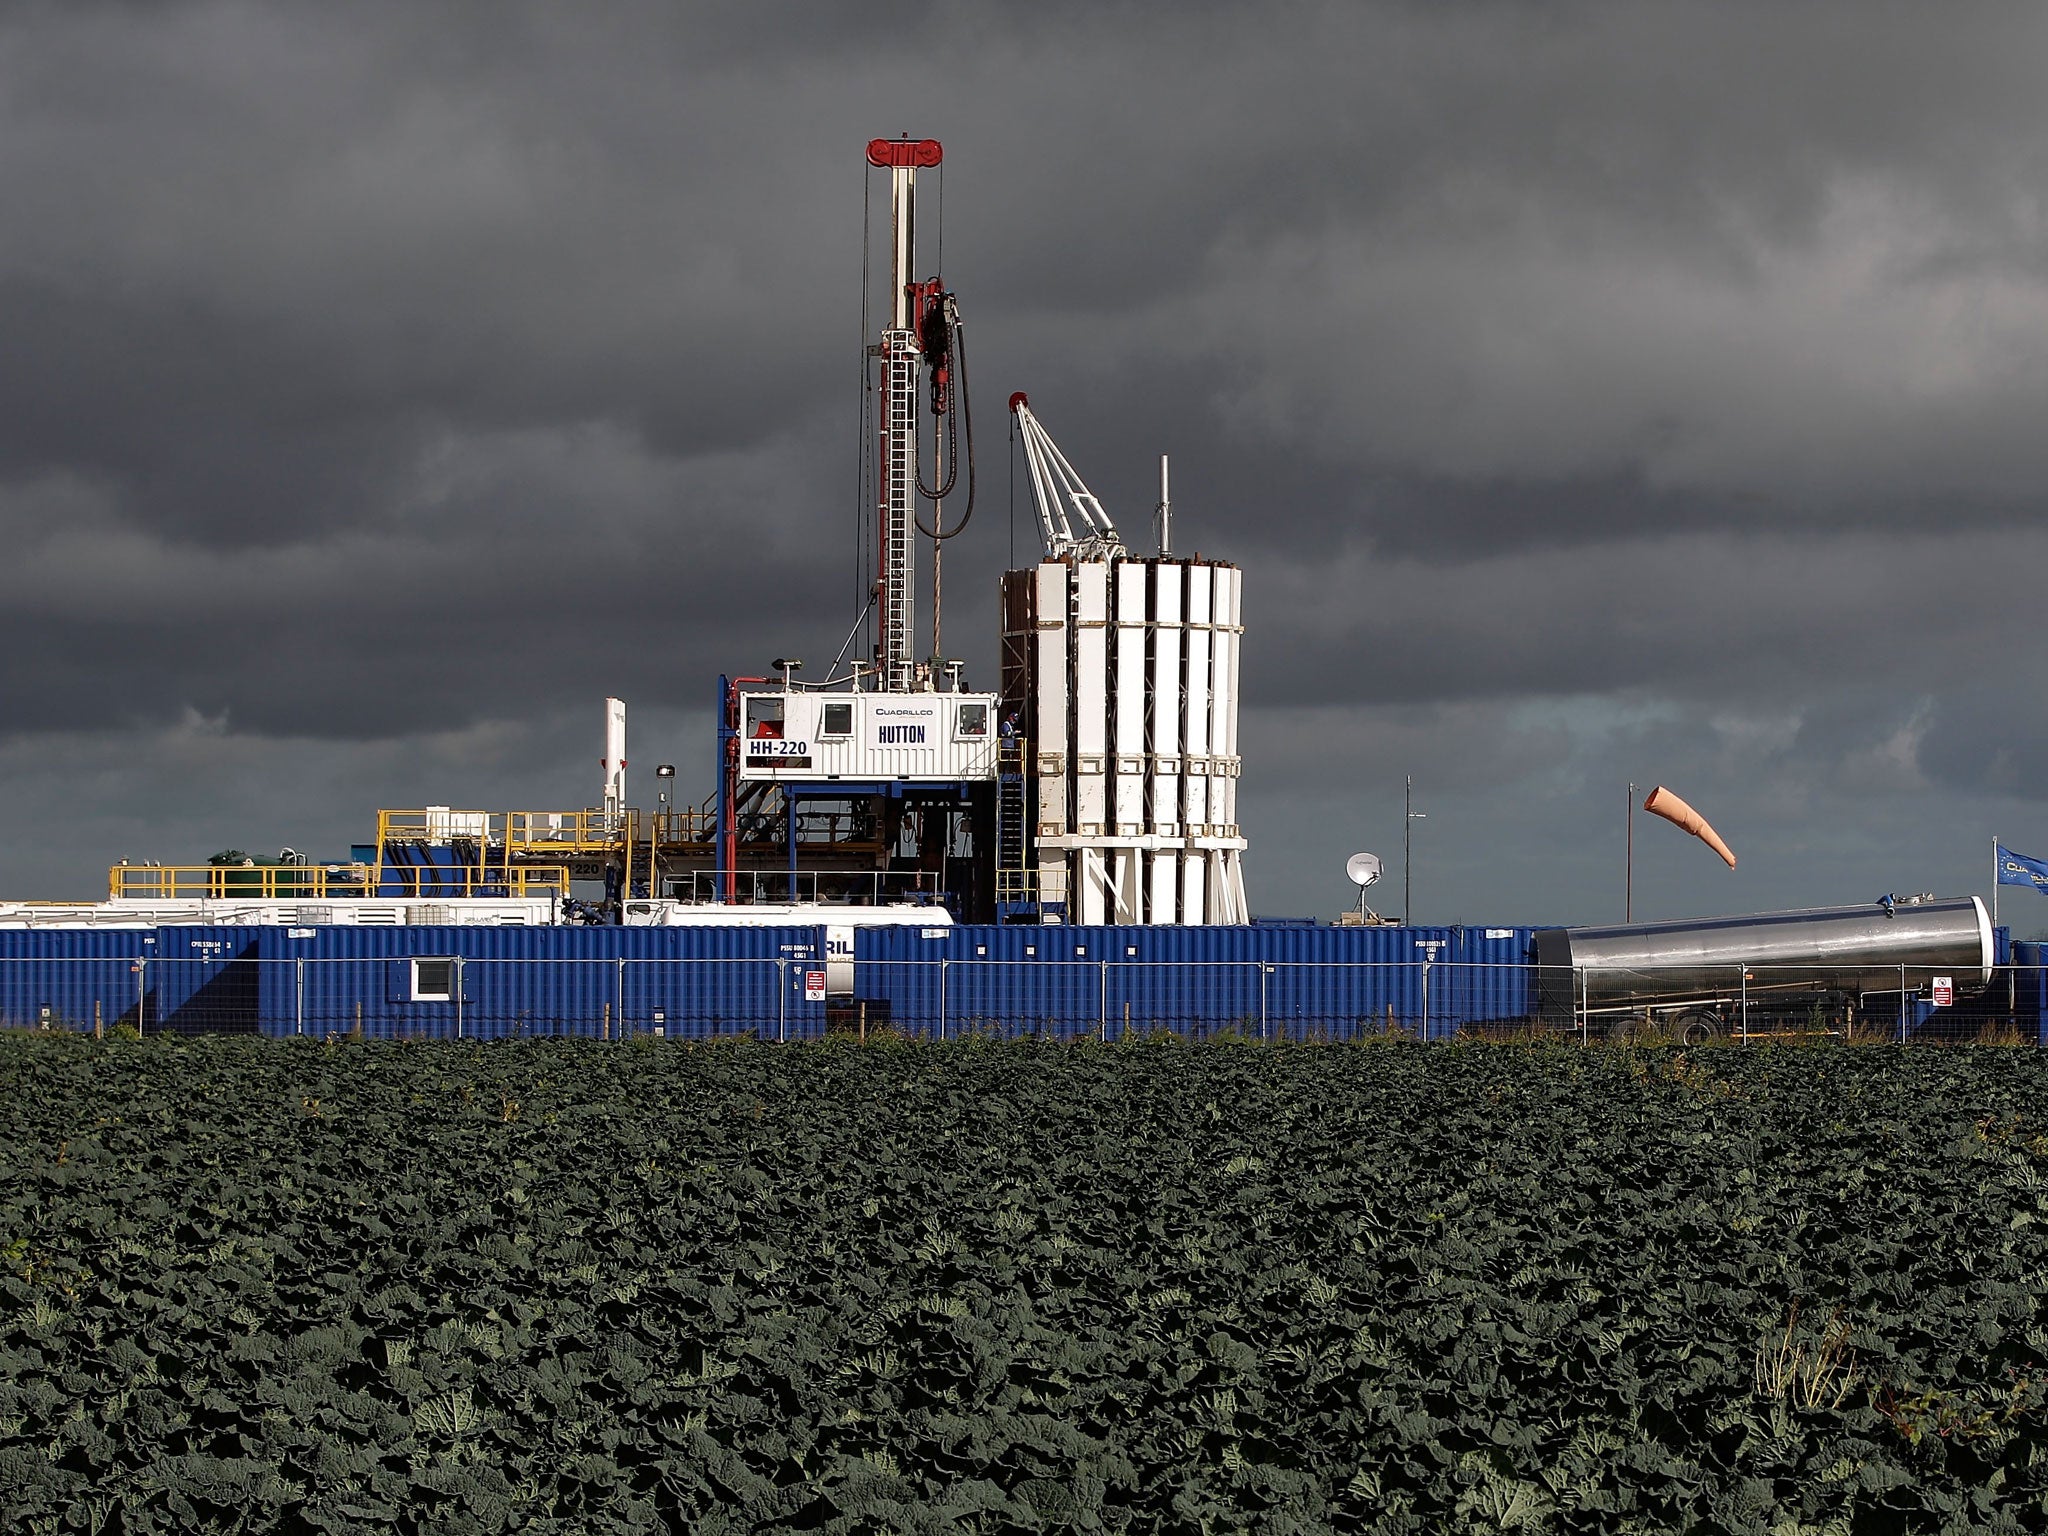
{"type": "Point", "coordinates": [877, 783]}
{"type": "Point", "coordinates": [1098, 786]}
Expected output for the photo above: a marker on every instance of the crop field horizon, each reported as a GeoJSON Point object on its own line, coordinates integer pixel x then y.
{"type": "Point", "coordinates": [557, 1286]}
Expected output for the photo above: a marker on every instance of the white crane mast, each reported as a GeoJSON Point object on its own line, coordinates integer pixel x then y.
{"type": "Point", "coordinates": [1069, 515]}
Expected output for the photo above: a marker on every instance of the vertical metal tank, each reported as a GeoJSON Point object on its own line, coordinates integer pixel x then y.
{"type": "Point", "coordinates": [1122, 676]}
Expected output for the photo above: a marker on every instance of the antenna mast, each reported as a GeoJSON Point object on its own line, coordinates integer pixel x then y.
{"type": "Point", "coordinates": [1163, 513]}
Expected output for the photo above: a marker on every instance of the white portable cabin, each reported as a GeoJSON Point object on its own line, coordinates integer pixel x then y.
{"type": "Point", "coordinates": [801, 735]}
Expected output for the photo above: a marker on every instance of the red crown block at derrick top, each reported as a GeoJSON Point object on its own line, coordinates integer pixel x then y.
{"type": "Point", "coordinates": [920, 154]}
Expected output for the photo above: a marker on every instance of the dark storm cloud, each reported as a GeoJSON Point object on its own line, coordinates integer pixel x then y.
{"type": "Point", "coordinates": [1590, 392]}
{"type": "Point", "coordinates": [1697, 615]}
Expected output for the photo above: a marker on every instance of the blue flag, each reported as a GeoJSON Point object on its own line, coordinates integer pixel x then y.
{"type": "Point", "coordinates": [2018, 869]}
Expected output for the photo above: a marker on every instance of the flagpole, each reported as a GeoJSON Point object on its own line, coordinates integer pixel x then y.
{"type": "Point", "coordinates": [1994, 879]}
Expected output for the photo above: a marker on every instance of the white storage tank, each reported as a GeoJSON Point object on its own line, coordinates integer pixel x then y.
{"type": "Point", "coordinates": [1121, 674]}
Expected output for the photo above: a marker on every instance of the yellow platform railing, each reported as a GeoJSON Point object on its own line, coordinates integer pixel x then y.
{"type": "Point", "coordinates": [430, 884]}
{"type": "Point", "coordinates": [525, 833]}
{"type": "Point", "coordinates": [322, 882]}
{"type": "Point", "coordinates": [250, 882]}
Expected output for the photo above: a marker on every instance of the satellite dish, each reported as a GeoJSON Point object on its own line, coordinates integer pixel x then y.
{"type": "Point", "coordinates": [1363, 868]}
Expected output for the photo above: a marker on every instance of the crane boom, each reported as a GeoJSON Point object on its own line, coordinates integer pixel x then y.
{"type": "Point", "coordinates": [1069, 515]}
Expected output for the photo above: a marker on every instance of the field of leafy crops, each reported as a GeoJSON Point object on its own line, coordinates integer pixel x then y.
{"type": "Point", "coordinates": [247, 1285]}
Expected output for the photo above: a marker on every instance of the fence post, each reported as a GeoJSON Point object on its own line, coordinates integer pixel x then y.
{"type": "Point", "coordinates": [141, 990]}
{"type": "Point", "coordinates": [1585, 1010]}
{"type": "Point", "coordinates": [461, 981]}
{"type": "Point", "coordinates": [1745, 1005]}
{"type": "Point", "coordinates": [1425, 1000]}
{"type": "Point", "coordinates": [781, 1000]}
{"type": "Point", "coordinates": [943, 977]}
{"type": "Point", "coordinates": [619, 996]}
{"type": "Point", "coordinates": [1102, 1004]}
{"type": "Point", "coordinates": [1902, 1003]}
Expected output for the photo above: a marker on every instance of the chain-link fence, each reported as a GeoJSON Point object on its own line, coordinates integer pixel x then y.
{"type": "Point", "coordinates": [451, 997]}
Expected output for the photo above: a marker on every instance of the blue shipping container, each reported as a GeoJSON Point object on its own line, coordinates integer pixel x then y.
{"type": "Point", "coordinates": [1271, 982]}
{"type": "Point", "coordinates": [70, 978]}
{"type": "Point", "coordinates": [204, 980]}
{"type": "Point", "coordinates": [494, 983]}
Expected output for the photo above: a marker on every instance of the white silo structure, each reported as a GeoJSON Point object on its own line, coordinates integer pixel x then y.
{"type": "Point", "coordinates": [1120, 683]}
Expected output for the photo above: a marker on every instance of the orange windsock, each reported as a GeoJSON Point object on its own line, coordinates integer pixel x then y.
{"type": "Point", "coordinates": [1661, 802]}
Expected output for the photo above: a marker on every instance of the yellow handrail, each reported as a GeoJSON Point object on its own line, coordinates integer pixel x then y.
{"type": "Point", "coordinates": [523, 833]}
{"type": "Point", "coordinates": [525, 880]}
{"type": "Point", "coordinates": [255, 882]}
{"type": "Point", "coordinates": [320, 882]}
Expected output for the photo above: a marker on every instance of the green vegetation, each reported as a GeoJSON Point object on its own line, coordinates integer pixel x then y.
{"type": "Point", "coordinates": [247, 1285]}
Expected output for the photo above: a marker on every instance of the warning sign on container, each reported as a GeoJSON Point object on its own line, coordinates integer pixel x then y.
{"type": "Point", "coordinates": [1944, 991]}
{"type": "Point", "coordinates": [814, 986]}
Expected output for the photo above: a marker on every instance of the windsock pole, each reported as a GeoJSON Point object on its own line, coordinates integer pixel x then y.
{"type": "Point", "coordinates": [1628, 910]}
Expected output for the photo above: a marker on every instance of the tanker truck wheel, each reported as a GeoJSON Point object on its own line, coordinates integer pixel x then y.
{"type": "Point", "coordinates": [1628, 1029]}
{"type": "Point", "coordinates": [1697, 1026]}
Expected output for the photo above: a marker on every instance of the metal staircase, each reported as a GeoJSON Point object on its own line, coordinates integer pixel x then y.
{"type": "Point", "coordinates": [1016, 881]}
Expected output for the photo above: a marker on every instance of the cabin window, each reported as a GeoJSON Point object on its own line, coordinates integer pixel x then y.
{"type": "Point", "coordinates": [764, 719]}
{"type": "Point", "coordinates": [970, 722]}
{"type": "Point", "coordinates": [838, 720]}
{"type": "Point", "coordinates": [433, 978]}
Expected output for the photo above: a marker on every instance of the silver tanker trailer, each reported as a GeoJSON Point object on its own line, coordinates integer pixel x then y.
{"type": "Point", "coordinates": [1766, 972]}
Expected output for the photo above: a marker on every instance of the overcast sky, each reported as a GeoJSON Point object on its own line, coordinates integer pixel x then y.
{"type": "Point", "coordinates": [1591, 394]}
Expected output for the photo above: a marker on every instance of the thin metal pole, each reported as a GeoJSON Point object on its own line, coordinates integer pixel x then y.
{"type": "Point", "coordinates": [1409, 816]}
{"type": "Point", "coordinates": [1628, 911]}
{"type": "Point", "coordinates": [1165, 511]}
{"type": "Point", "coordinates": [1995, 872]}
